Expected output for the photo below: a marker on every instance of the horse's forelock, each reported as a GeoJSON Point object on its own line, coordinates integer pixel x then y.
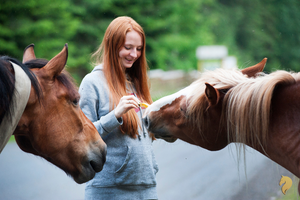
{"type": "Point", "coordinates": [66, 79]}
{"type": "Point", "coordinates": [221, 79]}
{"type": "Point", "coordinates": [36, 63]}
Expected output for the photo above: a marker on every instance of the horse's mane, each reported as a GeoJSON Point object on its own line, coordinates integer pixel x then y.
{"type": "Point", "coordinates": [7, 85]}
{"type": "Point", "coordinates": [246, 104]}
{"type": "Point", "coordinates": [6, 90]}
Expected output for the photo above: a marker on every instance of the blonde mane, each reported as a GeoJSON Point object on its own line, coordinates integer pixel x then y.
{"type": "Point", "coordinates": [246, 104]}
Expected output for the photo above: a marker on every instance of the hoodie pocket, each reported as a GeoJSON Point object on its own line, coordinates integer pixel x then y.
{"type": "Point", "coordinates": [138, 167]}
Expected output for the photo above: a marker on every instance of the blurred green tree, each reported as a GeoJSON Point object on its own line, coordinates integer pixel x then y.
{"type": "Point", "coordinates": [49, 25]}
{"type": "Point", "coordinates": [251, 29]}
{"type": "Point", "coordinates": [173, 29]}
{"type": "Point", "coordinates": [254, 29]}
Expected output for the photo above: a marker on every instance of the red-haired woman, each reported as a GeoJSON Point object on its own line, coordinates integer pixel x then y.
{"type": "Point", "coordinates": [110, 97]}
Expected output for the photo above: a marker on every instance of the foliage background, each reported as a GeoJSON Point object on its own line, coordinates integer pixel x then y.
{"type": "Point", "coordinates": [251, 29]}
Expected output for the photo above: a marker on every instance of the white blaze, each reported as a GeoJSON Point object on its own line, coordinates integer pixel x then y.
{"type": "Point", "coordinates": [169, 99]}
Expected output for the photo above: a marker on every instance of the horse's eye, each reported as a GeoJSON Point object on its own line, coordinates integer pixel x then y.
{"type": "Point", "coordinates": [182, 110]}
{"type": "Point", "coordinates": [75, 101]}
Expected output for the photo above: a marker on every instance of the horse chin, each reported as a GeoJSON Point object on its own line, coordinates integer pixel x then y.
{"type": "Point", "coordinates": [87, 175]}
{"type": "Point", "coordinates": [162, 134]}
{"type": "Point", "coordinates": [169, 139]}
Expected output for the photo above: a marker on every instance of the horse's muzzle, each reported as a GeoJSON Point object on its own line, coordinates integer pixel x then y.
{"type": "Point", "coordinates": [93, 163]}
{"type": "Point", "coordinates": [159, 133]}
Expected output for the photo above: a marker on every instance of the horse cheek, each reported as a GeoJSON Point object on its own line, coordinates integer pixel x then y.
{"type": "Point", "coordinates": [25, 145]}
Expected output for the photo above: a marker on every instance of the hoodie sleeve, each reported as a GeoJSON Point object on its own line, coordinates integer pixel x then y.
{"type": "Point", "coordinates": [91, 90]}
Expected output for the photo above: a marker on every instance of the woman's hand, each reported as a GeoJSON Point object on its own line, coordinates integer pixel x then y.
{"type": "Point", "coordinates": [126, 103]}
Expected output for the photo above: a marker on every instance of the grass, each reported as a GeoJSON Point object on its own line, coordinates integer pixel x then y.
{"type": "Point", "coordinates": [163, 94]}
{"type": "Point", "coordinates": [160, 88]}
{"type": "Point", "coordinates": [12, 139]}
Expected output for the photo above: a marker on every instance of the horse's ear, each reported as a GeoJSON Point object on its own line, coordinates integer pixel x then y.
{"type": "Point", "coordinates": [29, 53]}
{"type": "Point", "coordinates": [57, 63]}
{"type": "Point", "coordinates": [212, 94]}
{"type": "Point", "coordinates": [253, 70]}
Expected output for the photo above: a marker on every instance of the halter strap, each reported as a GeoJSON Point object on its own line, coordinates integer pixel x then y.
{"type": "Point", "coordinates": [20, 99]}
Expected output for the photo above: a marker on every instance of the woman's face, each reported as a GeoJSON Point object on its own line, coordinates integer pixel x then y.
{"type": "Point", "coordinates": [131, 50]}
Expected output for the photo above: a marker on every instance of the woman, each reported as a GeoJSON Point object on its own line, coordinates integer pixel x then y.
{"type": "Point", "coordinates": [110, 97]}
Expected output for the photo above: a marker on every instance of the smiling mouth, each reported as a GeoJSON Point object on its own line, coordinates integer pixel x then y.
{"type": "Point", "coordinates": [129, 60]}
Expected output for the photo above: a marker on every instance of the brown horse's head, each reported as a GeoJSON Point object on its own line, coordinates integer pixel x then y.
{"type": "Point", "coordinates": [53, 126]}
{"type": "Point", "coordinates": [194, 113]}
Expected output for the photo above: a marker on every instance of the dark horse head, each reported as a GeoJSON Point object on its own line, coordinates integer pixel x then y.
{"type": "Point", "coordinates": [52, 125]}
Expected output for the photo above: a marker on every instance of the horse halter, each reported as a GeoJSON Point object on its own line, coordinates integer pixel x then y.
{"type": "Point", "coordinates": [19, 102]}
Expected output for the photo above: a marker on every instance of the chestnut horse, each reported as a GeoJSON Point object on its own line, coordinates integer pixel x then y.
{"type": "Point", "coordinates": [246, 107]}
{"type": "Point", "coordinates": [50, 123]}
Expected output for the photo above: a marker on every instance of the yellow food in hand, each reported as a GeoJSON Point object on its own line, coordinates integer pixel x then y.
{"type": "Point", "coordinates": [143, 105]}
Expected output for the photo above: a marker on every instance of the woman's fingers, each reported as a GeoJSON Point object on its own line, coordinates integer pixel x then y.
{"type": "Point", "coordinates": [126, 103]}
{"type": "Point", "coordinates": [130, 99]}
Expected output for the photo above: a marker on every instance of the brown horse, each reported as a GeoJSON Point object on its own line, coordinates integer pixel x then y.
{"type": "Point", "coordinates": [52, 124]}
{"type": "Point", "coordinates": [246, 107]}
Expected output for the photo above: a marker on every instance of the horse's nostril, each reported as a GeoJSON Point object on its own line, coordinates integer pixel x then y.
{"type": "Point", "coordinates": [97, 165]}
{"type": "Point", "coordinates": [94, 165]}
{"type": "Point", "coordinates": [97, 159]}
{"type": "Point", "coordinates": [146, 122]}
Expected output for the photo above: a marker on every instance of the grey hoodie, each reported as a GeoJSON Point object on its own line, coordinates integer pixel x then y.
{"type": "Point", "coordinates": [130, 163]}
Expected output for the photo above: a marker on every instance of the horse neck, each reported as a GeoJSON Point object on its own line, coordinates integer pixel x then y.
{"type": "Point", "coordinates": [283, 139]}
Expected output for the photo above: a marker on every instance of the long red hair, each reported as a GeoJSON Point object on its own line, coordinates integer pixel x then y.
{"type": "Point", "coordinates": [108, 55]}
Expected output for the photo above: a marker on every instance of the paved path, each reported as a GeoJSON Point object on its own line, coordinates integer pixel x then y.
{"type": "Point", "coordinates": [24, 176]}
{"type": "Point", "coordinates": [186, 172]}
{"type": "Point", "coordinates": [192, 173]}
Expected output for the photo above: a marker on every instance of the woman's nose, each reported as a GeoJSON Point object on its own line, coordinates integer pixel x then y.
{"type": "Point", "coordinates": [133, 53]}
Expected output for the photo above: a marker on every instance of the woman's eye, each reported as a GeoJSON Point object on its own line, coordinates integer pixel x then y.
{"type": "Point", "coordinates": [127, 48]}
